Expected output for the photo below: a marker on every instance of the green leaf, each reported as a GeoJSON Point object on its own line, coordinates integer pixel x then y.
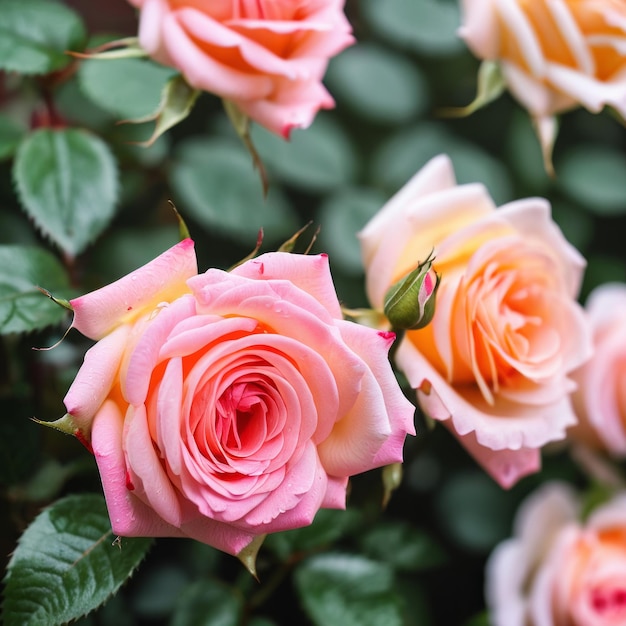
{"type": "Point", "coordinates": [381, 85]}
{"type": "Point", "coordinates": [427, 26]}
{"type": "Point", "coordinates": [67, 182]}
{"type": "Point", "coordinates": [403, 546]}
{"type": "Point", "coordinates": [348, 590]}
{"type": "Point", "coordinates": [127, 88]}
{"type": "Point", "coordinates": [215, 183]}
{"type": "Point", "coordinates": [35, 35]}
{"type": "Point", "coordinates": [10, 135]}
{"type": "Point", "coordinates": [67, 564]}
{"type": "Point", "coordinates": [315, 159]}
{"type": "Point", "coordinates": [482, 619]}
{"type": "Point", "coordinates": [328, 526]}
{"type": "Point", "coordinates": [593, 175]}
{"type": "Point", "coordinates": [158, 589]}
{"type": "Point", "coordinates": [208, 603]}
{"type": "Point", "coordinates": [341, 216]}
{"type": "Point", "coordinates": [524, 153]}
{"type": "Point", "coordinates": [475, 511]}
{"type": "Point", "coordinates": [23, 307]}
{"type": "Point", "coordinates": [46, 483]}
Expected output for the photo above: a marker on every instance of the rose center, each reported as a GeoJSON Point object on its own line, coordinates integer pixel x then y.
{"type": "Point", "coordinates": [241, 414]}
{"type": "Point", "coordinates": [609, 602]}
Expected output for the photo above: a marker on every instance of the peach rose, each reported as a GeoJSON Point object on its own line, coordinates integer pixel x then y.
{"type": "Point", "coordinates": [557, 570]}
{"type": "Point", "coordinates": [493, 364]}
{"type": "Point", "coordinates": [227, 405]}
{"type": "Point", "coordinates": [554, 54]}
{"type": "Point", "coordinates": [600, 400]}
{"type": "Point", "coordinates": [266, 56]}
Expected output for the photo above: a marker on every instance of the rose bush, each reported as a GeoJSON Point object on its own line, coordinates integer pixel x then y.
{"type": "Point", "coordinates": [493, 364]}
{"type": "Point", "coordinates": [600, 399]}
{"type": "Point", "coordinates": [554, 55]}
{"type": "Point", "coordinates": [558, 570]}
{"type": "Point", "coordinates": [268, 56]}
{"type": "Point", "coordinates": [226, 405]}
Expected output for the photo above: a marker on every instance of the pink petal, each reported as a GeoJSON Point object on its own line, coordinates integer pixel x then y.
{"type": "Point", "coordinates": [151, 337]}
{"type": "Point", "coordinates": [161, 280]}
{"type": "Point", "coordinates": [335, 496]}
{"type": "Point", "coordinates": [224, 537]}
{"type": "Point", "coordinates": [289, 109]}
{"type": "Point", "coordinates": [372, 433]}
{"type": "Point", "coordinates": [146, 468]}
{"type": "Point", "coordinates": [130, 517]}
{"type": "Point", "coordinates": [207, 73]}
{"type": "Point", "coordinates": [506, 467]}
{"type": "Point", "coordinates": [295, 503]}
{"type": "Point", "coordinates": [480, 28]}
{"type": "Point", "coordinates": [311, 273]}
{"type": "Point", "coordinates": [96, 377]}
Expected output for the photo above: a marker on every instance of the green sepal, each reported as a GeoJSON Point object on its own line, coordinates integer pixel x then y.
{"type": "Point", "coordinates": [241, 124]}
{"type": "Point", "coordinates": [491, 85]}
{"type": "Point", "coordinates": [392, 478]}
{"type": "Point", "coordinates": [546, 129]}
{"type": "Point", "coordinates": [248, 555]}
{"type": "Point", "coordinates": [66, 304]}
{"type": "Point", "coordinates": [177, 101]}
{"type": "Point", "coordinates": [126, 48]}
{"type": "Point", "coordinates": [252, 254]}
{"type": "Point", "coordinates": [290, 244]}
{"type": "Point", "coordinates": [183, 230]}
{"type": "Point", "coordinates": [65, 424]}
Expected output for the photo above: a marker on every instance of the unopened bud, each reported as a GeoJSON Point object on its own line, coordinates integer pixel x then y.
{"type": "Point", "coordinates": [410, 303]}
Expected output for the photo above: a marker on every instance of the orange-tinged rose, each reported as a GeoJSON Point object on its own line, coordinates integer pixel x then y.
{"type": "Point", "coordinates": [268, 57]}
{"type": "Point", "coordinates": [494, 362]}
{"type": "Point", "coordinates": [554, 54]}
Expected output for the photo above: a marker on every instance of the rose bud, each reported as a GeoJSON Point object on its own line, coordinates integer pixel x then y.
{"type": "Point", "coordinates": [410, 303]}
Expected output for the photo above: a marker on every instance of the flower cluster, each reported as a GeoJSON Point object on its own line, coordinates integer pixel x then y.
{"type": "Point", "coordinates": [226, 405]}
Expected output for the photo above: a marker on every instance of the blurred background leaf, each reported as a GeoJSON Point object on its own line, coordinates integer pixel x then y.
{"type": "Point", "coordinates": [67, 183]}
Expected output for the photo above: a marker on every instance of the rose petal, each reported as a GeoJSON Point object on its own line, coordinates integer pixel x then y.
{"type": "Point", "coordinates": [96, 376]}
{"type": "Point", "coordinates": [310, 273]}
{"type": "Point", "coordinates": [130, 517]}
{"type": "Point", "coordinates": [122, 302]}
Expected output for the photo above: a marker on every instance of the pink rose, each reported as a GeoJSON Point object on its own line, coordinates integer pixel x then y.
{"type": "Point", "coordinates": [600, 400]}
{"type": "Point", "coordinates": [266, 56]}
{"type": "Point", "coordinates": [554, 54]}
{"type": "Point", "coordinates": [557, 570]}
{"type": "Point", "coordinates": [226, 405]}
{"type": "Point", "coordinates": [493, 364]}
